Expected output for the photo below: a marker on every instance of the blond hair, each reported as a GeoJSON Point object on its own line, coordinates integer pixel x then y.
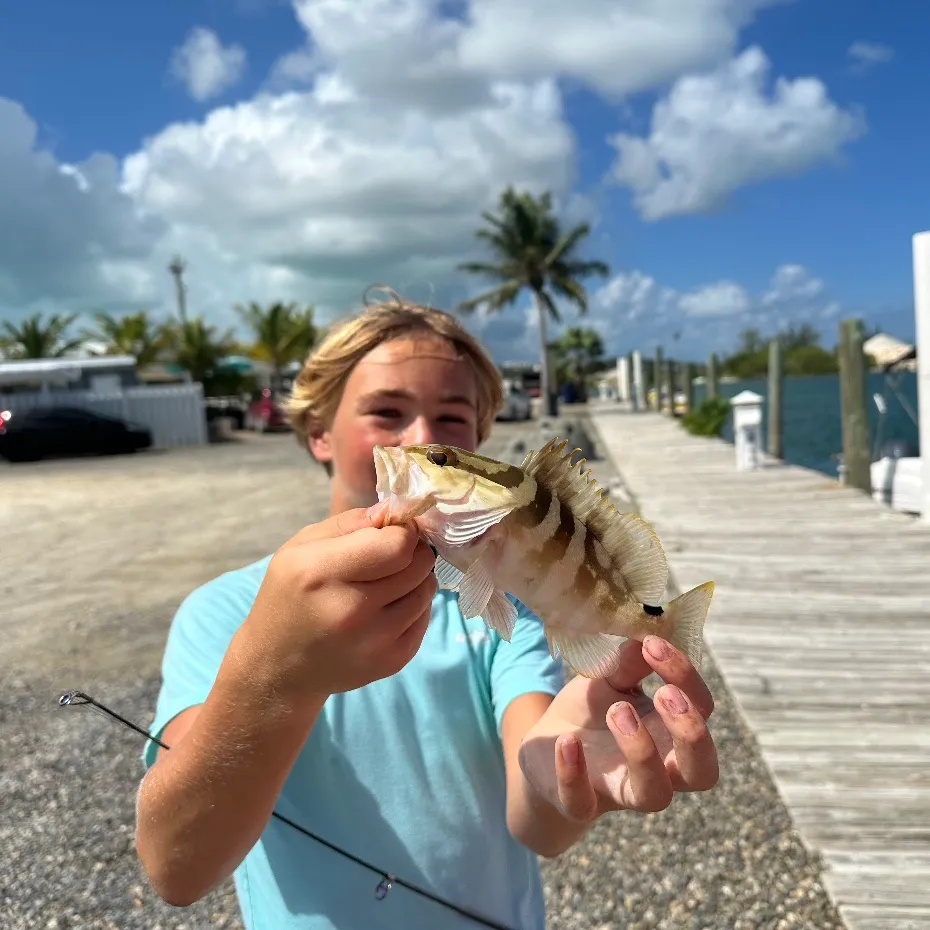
{"type": "Point", "coordinates": [317, 390]}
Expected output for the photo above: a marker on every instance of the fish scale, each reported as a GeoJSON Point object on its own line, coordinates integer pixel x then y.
{"type": "Point", "coordinates": [545, 534]}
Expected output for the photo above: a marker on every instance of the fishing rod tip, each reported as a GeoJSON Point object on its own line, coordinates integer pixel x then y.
{"type": "Point", "coordinates": [72, 697]}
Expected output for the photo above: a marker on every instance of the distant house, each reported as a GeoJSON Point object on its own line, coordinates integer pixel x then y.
{"type": "Point", "coordinates": [105, 374]}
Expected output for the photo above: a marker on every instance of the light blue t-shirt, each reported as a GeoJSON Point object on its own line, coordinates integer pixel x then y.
{"type": "Point", "coordinates": [406, 773]}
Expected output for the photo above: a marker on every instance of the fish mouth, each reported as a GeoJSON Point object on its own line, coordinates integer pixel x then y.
{"type": "Point", "coordinates": [392, 471]}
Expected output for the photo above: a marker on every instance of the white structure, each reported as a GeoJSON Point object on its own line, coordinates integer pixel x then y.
{"type": "Point", "coordinates": [623, 379]}
{"type": "Point", "coordinates": [174, 414]}
{"type": "Point", "coordinates": [885, 349]}
{"type": "Point", "coordinates": [921, 254]}
{"type": "Point", "coordinates": [747, 429]}
{"type": "Point", "coordinates": [639, 396]}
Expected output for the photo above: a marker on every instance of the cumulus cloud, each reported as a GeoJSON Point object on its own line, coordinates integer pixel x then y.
{"type": "Point", "coordinates": [863, 55]}
{"type": "Point", "coordinates": [722, 130]}
{"type": "Point", "coordinates": [70, 238]}
{"type": "Point", "coordinates": [205, 66]}
{"type": "Point", "coordinates": [370, 154]}
{"type": "Point", "coordinates": [633, 310]}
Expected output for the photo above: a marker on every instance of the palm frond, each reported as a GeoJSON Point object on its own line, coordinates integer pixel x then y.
{"type": "Point", "coordinates": [495, 299]}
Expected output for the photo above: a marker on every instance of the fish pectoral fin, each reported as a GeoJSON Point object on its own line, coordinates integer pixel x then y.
{"type": "Point", "coordinates": [447, 575]}
{"type": "Point", "coordinates": [593, 655]}
{"type": "Point", "coordinates": [463, 527]}
{"type": "Point", "coordinates": [500, 614]}
{"type": "Point", "coordinates": [475, 589]}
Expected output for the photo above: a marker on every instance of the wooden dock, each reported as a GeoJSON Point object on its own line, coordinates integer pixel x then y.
{"type": "Point", "coordinates": [821, 627]}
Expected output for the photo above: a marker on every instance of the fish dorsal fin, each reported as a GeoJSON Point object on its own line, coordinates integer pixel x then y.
{"type": "Point", "coordinates": [628, 540]}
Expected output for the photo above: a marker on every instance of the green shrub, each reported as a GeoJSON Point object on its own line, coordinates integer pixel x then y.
{"type": "Point", "coordinates": [708, 417]}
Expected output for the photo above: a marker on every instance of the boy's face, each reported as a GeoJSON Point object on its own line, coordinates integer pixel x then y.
{"type": "Point", "coordinates": [408, 391]}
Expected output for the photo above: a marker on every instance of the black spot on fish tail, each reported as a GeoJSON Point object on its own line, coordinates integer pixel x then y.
{"type": "Point", "coordinates": [656, 611]}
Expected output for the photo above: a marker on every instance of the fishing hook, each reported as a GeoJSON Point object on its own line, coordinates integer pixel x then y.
{"type": "Point", "coordinates": [386, 880]}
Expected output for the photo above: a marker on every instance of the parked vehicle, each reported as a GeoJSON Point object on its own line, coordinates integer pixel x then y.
{"type": "Point", "coordinates": [264, 413]}
{"type": "Point", "coordinates": [517, 403]}
{"type": "Point", "coordinates": [63, 431]}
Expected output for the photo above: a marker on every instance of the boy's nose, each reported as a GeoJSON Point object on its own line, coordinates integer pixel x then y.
{"type": "Point", "coordinates": [420, 433]}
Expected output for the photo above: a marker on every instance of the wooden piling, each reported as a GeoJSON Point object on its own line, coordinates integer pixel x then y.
{"type": "Point", "coordinates": [668, 386]}
{"type": "Point", "coordinates": [686, 385]}
{"type": "Point", "coordinates": [853, 409]}
{"type": "Point", "coordinates": [774, 401]}
{"type": "Point", "coordinates": [710, 379]}
{"type": "Point", "coordinates": [657, 379]}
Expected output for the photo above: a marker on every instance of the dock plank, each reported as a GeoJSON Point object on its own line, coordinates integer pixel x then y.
{"type": "Point", "coordinates": [821, 628]}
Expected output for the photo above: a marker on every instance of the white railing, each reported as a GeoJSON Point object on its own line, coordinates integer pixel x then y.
{"type": "Point", "coordinates": [174, 414]}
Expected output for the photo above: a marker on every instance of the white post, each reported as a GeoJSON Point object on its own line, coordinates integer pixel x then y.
{"type": "Point", "coordinates": [638, 398]}
{"type": "Point", "coordinates": [747, 429]}
{"type": "Point", "coordinates": [623, 379]}
{"type": "Point", "coordinates": [921, 251]}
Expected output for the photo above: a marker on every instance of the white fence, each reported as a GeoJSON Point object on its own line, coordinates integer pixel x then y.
{"type": "Point", "coordinates": [175, 414]}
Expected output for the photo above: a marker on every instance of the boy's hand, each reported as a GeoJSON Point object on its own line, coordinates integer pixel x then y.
{"type": "Point", "coordinates": [343, 603]}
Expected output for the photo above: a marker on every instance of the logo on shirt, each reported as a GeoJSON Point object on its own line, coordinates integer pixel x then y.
{"type": "Point", "coordinates": [476, 636]}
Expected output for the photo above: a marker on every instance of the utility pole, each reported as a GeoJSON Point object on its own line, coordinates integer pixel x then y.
{"type": "Point", "coordinates": [176, 268]}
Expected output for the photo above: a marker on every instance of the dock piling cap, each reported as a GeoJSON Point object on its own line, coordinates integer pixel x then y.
{"type": "Point", "coordinates": [745, 399]}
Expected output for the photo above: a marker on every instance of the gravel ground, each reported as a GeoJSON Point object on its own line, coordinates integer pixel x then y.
{"type": "Point", "coordinates": [90, 611]}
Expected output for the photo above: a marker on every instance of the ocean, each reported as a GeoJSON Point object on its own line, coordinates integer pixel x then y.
{"type": "Point", "coordinates": [812, 429]}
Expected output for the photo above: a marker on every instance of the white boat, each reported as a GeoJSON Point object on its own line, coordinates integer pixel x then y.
{"type": "Point", "coordinates": [897, 468]}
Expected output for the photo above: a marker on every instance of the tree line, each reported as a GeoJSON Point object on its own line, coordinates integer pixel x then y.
{"type": "Point", "coordinates": [527, 252]}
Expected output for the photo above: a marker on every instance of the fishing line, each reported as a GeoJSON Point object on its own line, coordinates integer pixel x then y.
{"type": "Point", "coordinates": [387, 880]}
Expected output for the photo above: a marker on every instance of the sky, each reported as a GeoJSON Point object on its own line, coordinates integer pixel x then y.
{"type": "Point", "coordinates": [742, 163]}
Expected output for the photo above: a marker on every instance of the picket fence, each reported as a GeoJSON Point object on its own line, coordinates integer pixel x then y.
{"type": "Point", "coordinates": [174, 414]}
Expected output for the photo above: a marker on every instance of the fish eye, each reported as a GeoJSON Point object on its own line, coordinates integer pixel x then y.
{"type": "Point", "coordinates": [437, 458]}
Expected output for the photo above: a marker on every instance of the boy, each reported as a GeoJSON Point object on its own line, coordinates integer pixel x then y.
{"type": "Point", "coordinates": [332, 682]}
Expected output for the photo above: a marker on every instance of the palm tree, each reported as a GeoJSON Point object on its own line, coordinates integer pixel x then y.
{"type": "Point", "coordinates": [33, 338]}
{"type": "Point", "coordinates": [196, 347]}
{"type": "Point", "coordinates": [282, 333]}
{"type": "Point", "coordinates": [530, 251]}
{"type": "Point", "coordinates": [579, 351]}
{"type": "Point", "coordinates": [132, 334]}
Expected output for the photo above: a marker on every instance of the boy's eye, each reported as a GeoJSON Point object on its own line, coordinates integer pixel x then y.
{"type": "Point", "coordinates": [386, 412]}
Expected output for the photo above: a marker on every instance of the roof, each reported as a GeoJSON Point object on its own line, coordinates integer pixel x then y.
{"type": "Point", "coordinates": [885, 349]}
{"type": "Point", "coordinates": [59, 370]}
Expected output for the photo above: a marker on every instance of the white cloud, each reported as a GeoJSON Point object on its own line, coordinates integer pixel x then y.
{"type": "Point", "coordinates": [633, 310]}
{"type": "Point", "coordinates": [368, 157]}
{"type": "Point", "coordinates": [866, 54]}
{"type": "Point", "coordinates": [205, 66]}
{"type": "Point", "coordinates": [720, 131]}
{"type": "Point", "coordinates": [69, 237]}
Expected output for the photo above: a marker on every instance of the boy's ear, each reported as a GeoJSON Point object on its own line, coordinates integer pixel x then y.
{"type": "Point", "coordinates": [320, 446]}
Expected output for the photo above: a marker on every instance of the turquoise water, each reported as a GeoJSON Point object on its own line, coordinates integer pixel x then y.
{"type": "Point", "coordinates": [812, 432]}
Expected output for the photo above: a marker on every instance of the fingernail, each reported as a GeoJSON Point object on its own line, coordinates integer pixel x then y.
{"type": "Point", "coordinates": [625, 719]}
{"type": "Point", "coordinates": [568, 746]}
{"type": "Point", "coordinates": [656, 647]}
{"type": "Point", "coordinates": [674, 700]}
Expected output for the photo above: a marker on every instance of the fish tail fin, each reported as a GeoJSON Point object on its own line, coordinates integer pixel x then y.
{"type": "Point", "coordinates": [684, 617]}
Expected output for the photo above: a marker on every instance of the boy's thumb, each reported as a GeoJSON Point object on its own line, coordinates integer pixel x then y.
{"type": "Point", "coordinates": [341, 524]}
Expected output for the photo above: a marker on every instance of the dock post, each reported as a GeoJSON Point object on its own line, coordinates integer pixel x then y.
{"type": "Point", "coordinates": [852, 400]}
{"type": "Point", "coordinates": [686, 379]}
{"type": "Point", "coordinates": [657, 380]}
{"type": "Point", "coordinates": [774, 404]}
{"type": "Point", "coordinates": [668, 386]}
{"type": "Point", "coordinates": [639, 394]}
{"type": "Point", "coordinates": [921, 252]}
{"type": "Point", "coordinates": [710, 379]}
{"type": "Point", "coordinates": [623, 379]}
{"type": "Point", "coordinates": [747, 428]}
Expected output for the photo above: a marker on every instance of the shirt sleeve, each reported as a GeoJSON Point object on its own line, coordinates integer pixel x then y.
{"type": "Point", "coordinates": [198, 638]}
{"type": "Point", "coordinates": [523, 665]}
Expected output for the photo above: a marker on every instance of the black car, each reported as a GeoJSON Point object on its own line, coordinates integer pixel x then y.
{"type": "Point", "coordinates": [63, 431]}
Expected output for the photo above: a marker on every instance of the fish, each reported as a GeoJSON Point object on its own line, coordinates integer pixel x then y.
{"type": "Point", "coordinates": [546, 534]}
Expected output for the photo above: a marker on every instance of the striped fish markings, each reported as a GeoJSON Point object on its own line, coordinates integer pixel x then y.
{"type": "Point", "coordinates": [546, 534]}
